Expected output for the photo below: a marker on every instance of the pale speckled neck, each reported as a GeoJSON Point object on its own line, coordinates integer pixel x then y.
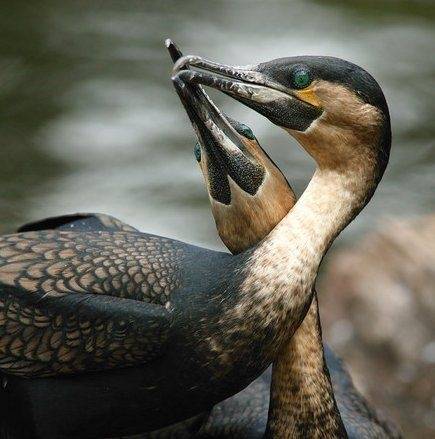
{"type": "Point", "coordinates": [280, 272]}
{"type": "Point", "coordinates": [302, 399]}
{"type": "Point", "coordinates": [302, 402]}
{"type": "Point", "coordinates": [331, 200]}
{"type": "Point", "coordinates": [283, 268]}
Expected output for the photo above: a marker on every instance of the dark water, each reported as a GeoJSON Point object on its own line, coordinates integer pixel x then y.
{"type": "Point", "coordinates": [89, 120]}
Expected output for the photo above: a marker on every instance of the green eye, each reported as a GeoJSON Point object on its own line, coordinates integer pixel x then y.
{"type": "Point", "coordinates": [244, 130]}
{"type": "Point", "coordinates": [197, 152]}
{"type": "Point", "coordinates": [301, 78]}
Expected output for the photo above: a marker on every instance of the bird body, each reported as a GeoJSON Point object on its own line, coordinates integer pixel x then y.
{"type": "Point", "coordinates": [230, 313]}
{"type": "Point", "coordinates": [79, 405]}
{"type": "Point", "coordinates": [53, 327]}
{"type": "Point", "coordinates": [221, 355]}
{"type": "Point", "coordinates": [206, 314]}
{"type": "Point", "coordinates": [71, 404]}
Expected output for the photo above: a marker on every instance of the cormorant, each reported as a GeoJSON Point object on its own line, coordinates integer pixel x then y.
{"type": "Point", "coordinates": [201, 324]}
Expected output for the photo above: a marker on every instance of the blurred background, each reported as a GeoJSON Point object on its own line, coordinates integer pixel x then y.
{"type": "Point", "coordinates": [89, 121]}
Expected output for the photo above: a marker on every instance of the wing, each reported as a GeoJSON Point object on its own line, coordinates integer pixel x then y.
{"type": "Point", "coordinates": [93, 300]}
{"type": "Point", "coordinates": [84, 222]}
{"type": "Point", "coordinates": [129, 265]}
{"type": "Point", "coordinates": [77, 333]}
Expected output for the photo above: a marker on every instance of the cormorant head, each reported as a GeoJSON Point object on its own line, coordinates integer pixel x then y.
{"type": "Point", "coordinates": [244, 218]}
{"type": "Point", "coordinates": [248, 193]}
{"type": "Point", "coordinates": [335, 109]}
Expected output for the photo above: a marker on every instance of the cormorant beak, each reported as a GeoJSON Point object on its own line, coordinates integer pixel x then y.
{"type": "Point", "coordinates": [255, 87]}
{"type": "Point", "coordinates": [224, 146]}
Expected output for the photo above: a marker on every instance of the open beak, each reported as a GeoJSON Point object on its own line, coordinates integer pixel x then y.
{"type": "Point", "coordinates": [224, 146]}
{"type": "Point", "coordinates": [255, 87]}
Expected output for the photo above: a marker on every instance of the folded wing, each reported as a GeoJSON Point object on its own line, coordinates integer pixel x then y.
{"type": "Point", "coordinates": [72, 302]}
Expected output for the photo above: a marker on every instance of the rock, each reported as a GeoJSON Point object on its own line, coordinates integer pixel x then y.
{"type": "Point", "coordinates": [377, 302]}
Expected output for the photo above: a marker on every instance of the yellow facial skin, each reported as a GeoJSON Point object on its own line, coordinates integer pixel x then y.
{"type": "Point", "coordinates": [347, 125]}
{"type": "Point", "coordinates": [308, 95]}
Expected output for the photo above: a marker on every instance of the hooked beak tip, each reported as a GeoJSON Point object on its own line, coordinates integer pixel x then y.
{"type": "Point", "coordinates": [174, 52]}
{"type": "Point", "coordinates": [184, 62]}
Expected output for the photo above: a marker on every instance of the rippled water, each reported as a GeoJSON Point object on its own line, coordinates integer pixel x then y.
{"type": "Point", "coordinates": [89, 120]}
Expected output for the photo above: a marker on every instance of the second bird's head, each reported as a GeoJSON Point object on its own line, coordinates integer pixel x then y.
{"type": "Point", "coordinates": [248, 193]}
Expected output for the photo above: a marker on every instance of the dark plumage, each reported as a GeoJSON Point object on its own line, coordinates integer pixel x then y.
{"type": "Point", "coordinates": [80, 405]}
{"type": "Point", "coordinates": [83, 301]}
{"type": "Point", "coordinates": [57, 301]}
{"type": "Point", "coordinates": [60, 404]}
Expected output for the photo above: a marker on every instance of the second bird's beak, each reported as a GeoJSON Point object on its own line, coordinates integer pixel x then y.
{"type": "Point", "coordinates": [253, 87]}
{"type": "Point", "coordinates": [222, 143]}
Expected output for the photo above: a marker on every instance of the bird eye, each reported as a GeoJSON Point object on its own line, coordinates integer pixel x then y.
{"type": "Point", "coordinates": [244, 130]}
{"type": "Point", "coordinates": [197, 152]}
{"type": "Point", "coordinates": [301, 78]}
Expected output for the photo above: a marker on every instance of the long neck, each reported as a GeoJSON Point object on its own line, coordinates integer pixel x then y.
{"type": "Point", "coordinates": [302, 399]}
{"type": "Point", "coordinates": [283, 268]}
{"type": "Point", "coordinates": [331, 200]}
{"type": "Point", "coordinates": [302, 402]}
